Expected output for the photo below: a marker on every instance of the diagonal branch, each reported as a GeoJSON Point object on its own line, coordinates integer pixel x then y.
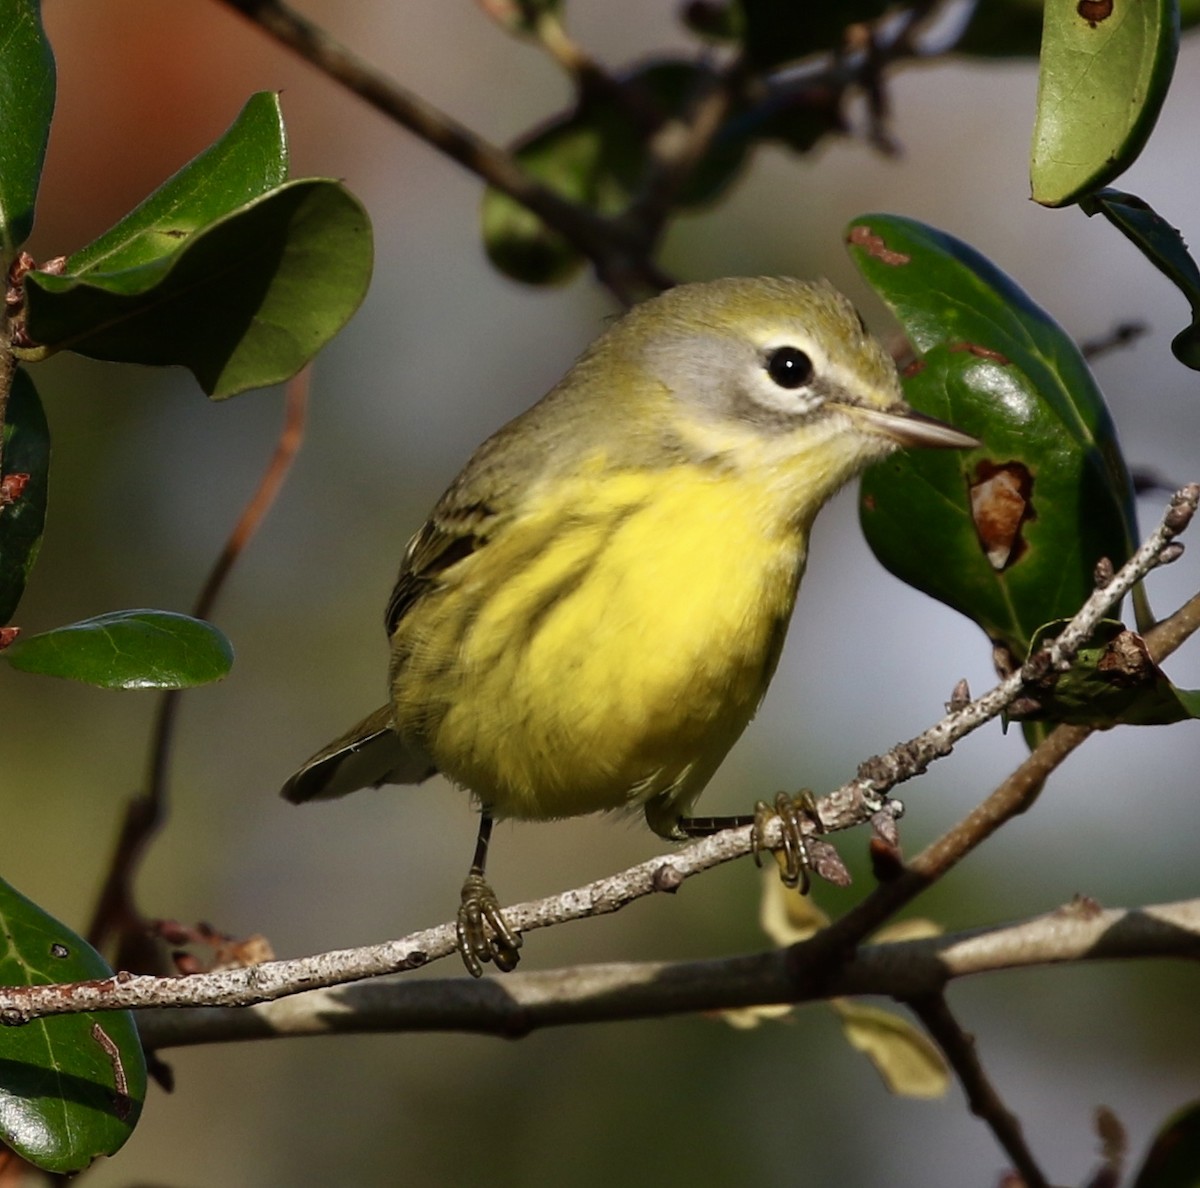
{"type": "Point", "coordinates": [959, 1049]}
{"type": "Point", "coordinates": [617, 256]}
{"type": "Point", "coordinates": [852, 804]}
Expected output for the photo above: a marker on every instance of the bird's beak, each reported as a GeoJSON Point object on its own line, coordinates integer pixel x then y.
{"type": "Point", "coordinates": [909, 427]}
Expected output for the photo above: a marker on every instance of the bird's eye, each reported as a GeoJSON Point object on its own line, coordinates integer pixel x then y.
{"type": "Point", "coordinates": [789, 367]}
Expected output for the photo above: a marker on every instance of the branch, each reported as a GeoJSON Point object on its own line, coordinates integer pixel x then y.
{"type": "Point", "coordinates": [959, 1049]}
{"type": "Point", "coordinates": [520, 1003]}
{"type": "Point", "coordinates": [852, 804]}
{"type": "Point", "coordinates": [1023, 786]}
{"type": "Point", "coordinates": [617, 257]}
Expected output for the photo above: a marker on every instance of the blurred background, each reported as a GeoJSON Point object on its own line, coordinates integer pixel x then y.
{"type": "Point", "coordinates": [149, 477]}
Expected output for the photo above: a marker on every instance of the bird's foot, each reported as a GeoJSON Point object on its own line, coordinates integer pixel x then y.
{"type": "Point", "coordinates": [483, 932]}
{"type": "Point", "coordinates": [795, 857]}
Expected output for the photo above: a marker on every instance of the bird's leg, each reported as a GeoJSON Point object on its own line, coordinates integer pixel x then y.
{"type": "Point", "coordinates": [791, 811]}
{"type": "Point", "coordinates": [483, 932]}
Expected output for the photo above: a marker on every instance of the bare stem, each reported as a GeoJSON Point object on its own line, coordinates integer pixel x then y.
{"type": "Point", "coordinates": [116, 912]}
{"type": "Point", "coordinates": [959, 1050]}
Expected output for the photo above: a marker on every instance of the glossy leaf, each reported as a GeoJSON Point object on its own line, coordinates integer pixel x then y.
{"type": "Point", "coordinates": [243, 302]}
{"type": "Point", "coordinates": [1164, 247]}
{"type": "Point", "coordinates": [135, 649]}
{"type": "Point", "coordinates": [1009, 533]}
{"type": "Point", "coordinates": [247, 162]}
{"type": "Point", "coordinates": [1112, 682]}
{"type": "Point", "coordinates": [597, 155]}
{"type": "Point", "coordinates": [27, 102]}
{"type": "Point", "coordinates": [71, 1086]}
{"type": "Point", "coordinates": [1105, 69]}
{"type": "Point", "coordinates": [26, 479]}
{"type": "Point", "coordinates": [1174, 1158]}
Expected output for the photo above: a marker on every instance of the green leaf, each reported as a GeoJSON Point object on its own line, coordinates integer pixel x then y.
{"type": "Point", "coordinates": [1009, 533]}
{"type": "Point", "coordinates": [565, 156]}
{"type": "Point", "coordinates": [1105, 69]}
{"type": "Point", "coordinates": [1003, 29]}
{"type": "Point", "coordinates": [1173, 1160]}
{"type": "Point", "coordinates": [243, 302]}
{"type": "Point", "coordinates": [27, 103]}
{"type": "Point", "coordinates": [71, 1086]}
{"type": "Point", "coordinates": [1112, 682]}
{"type": "Point", "coordinates": [249, 160]}
{"type": "Point", "coordinates": [597, 156]}
{"type": "Point", "coordinates": [27, 471]}
{"type": "Point", "coordinates": [1164, 247]}
{"type": "Point", "coordinates": [134, 649]}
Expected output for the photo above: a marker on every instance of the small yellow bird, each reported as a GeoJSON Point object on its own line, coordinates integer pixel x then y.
{"type": "Point", "coordinates": [594, 609]}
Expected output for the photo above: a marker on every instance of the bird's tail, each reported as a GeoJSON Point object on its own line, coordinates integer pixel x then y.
{"type": "Point", "coordinates": [366, 756]}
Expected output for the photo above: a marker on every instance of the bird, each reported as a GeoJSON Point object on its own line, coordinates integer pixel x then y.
{"type": "Point", "coordinates": [592, 613]}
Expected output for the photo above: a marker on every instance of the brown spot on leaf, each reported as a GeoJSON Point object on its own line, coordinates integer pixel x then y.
{"type": "Point", "coordinates": [874, 246]}
{"type": "Point", "coordinates": [1094, 11]}
{"type": "Point", "coordinates": [973, 348]}
{"type": "Point", "coordinates": [12, 487]}
{"type": "Point", "coordinates": [913, 368]}
{"type": "Point", "coordinates": [1000, 506]}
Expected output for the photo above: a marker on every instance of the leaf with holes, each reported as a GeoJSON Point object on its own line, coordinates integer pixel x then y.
{"type": "Point", "coordinates": [1009, 533]}
{"type": "Point", "coordinates": [1105, 69]}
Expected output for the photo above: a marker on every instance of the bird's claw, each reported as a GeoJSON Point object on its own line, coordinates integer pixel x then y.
{"type": "Point", "coordinates": [795, 860]}
{"type": "Point", "coordinates": [483, 932]}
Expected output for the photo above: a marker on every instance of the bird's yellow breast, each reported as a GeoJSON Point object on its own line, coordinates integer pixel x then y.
{"type": "Point", "coordinates": [610, 643]}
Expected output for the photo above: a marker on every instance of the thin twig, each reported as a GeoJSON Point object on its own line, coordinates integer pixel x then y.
{"type": "Point", "coordinates": [617, 259]}
{"type": "Point", "coordinates": [851, 804]}
{"type": "Point", "coordinates": [1022, 787]}
{"type": "Point", "coordinates": [959, 1049]}
{"type": "Point", "coordinates": [116, 912]}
